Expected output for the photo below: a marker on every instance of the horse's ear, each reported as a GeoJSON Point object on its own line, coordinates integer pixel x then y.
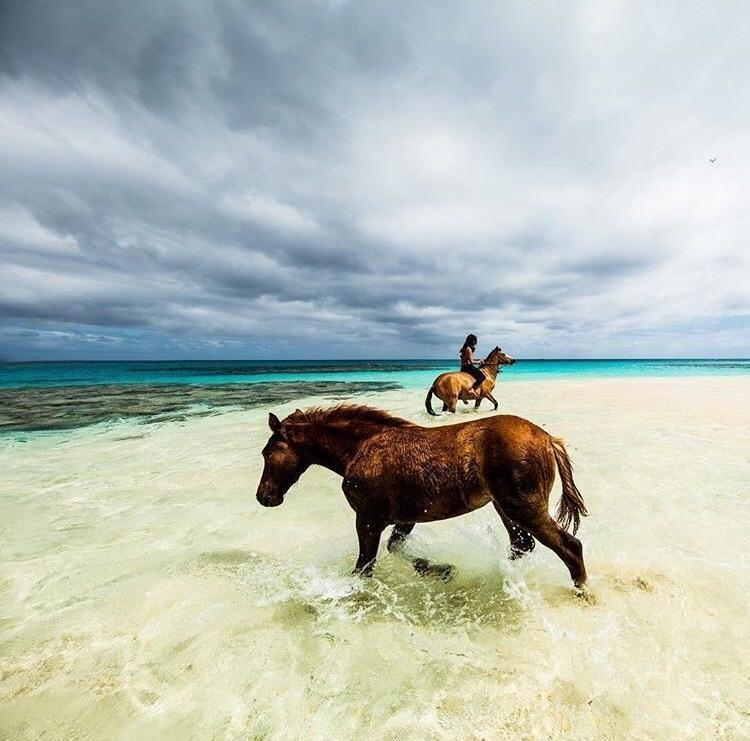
{"type": "Point", "coordinates": [273, 422]}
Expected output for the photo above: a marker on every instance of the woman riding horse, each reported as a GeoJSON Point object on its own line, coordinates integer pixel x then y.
{"type": "Point", "coordinates": [469, 383]}
{"type": "Point", "coordinates": [467, 361]}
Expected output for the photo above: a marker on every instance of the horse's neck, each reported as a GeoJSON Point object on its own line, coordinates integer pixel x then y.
{"type": "Point", "coordinates": [490, 370]}
{"type": "Point", "coordinates": [335, 446]}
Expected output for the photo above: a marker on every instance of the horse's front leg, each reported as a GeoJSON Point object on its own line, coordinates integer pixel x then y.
{"type": "Point", "coordinates": [421, 565]}
{"type": "Point", "coordinates": [492, 399]}
{"type": "Point", "coordinates": [368, 532]}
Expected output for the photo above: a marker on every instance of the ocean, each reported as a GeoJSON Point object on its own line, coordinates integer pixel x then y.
{"type": "Point", "coordinates": [408, 373]}
{"type": "Point", "coordinates": [57, 395]}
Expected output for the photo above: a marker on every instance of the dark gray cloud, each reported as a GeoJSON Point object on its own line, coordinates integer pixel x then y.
{"type": "Point", "coordinates": [358, 179]}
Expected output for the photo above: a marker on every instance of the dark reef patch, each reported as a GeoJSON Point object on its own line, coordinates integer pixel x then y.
{"type": "Point", "coordinates": [67, 407]}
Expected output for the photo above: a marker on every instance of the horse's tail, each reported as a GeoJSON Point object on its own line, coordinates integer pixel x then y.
{"type": "Point", "coordinates": [570, 508]}
{"type": "Point", "coordinates": [427, 404]}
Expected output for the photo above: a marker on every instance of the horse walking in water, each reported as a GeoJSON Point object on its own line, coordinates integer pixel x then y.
{"type": "Point", "coordinates": [450, 387]}
{"type": "Point", "coordinates": [399, 473]}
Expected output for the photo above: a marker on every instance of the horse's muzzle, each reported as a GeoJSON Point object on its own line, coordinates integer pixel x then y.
{"type": "Point", "coordinates": [269, 499]}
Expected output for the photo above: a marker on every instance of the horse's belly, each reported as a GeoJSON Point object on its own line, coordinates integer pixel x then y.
{"type": "Point", "coordinates": [442, 506]}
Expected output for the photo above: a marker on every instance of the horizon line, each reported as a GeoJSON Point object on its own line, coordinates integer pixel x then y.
{"type": "Point", "coordinates": [351, 360]}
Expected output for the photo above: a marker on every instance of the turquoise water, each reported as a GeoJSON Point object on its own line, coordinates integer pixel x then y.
{"type": "Point", "coordinates": [54, 396]}
{"type": "Point", "coordinates": [145, 594]}
{"type": "Point", "coordinates": [407, 373]}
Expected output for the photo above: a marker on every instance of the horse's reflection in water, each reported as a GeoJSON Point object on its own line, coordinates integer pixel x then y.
{"type": "Point", "coordinates": [398, 473]}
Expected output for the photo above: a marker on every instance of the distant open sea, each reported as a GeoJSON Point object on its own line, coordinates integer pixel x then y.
{"type": "Point", "coordinates": [407, 373]}
{"type": "Point", "coordinates": [59, 395]}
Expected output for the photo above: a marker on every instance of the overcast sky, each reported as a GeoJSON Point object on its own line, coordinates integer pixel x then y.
{"type": "Point", "coordinates": [373, 179]}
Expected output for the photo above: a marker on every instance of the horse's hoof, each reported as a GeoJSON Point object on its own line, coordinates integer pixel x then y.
{"type": "Point", "coordinates": [363, 571]}
{"type": "Point", "coordinates": [443, 571]}
{"type": "Point", "coordinates": [583, 593]}
{"type": "Point", "coordinates": [421, 565]}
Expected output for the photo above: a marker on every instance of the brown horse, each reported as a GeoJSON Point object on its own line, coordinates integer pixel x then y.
{"type": "Point", "coordinates": [398, 473]}
{"type": "Point", "coordinates": [450, 387]}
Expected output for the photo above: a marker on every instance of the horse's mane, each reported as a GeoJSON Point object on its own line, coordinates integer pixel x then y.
{"type": "Point", "coordinates": [345, 414]}
{"type": "Point", "coordinates": [487, 359]}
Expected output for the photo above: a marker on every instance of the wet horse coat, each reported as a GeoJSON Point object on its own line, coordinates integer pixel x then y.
{"type": "Point", "coordinates": [399, 473]}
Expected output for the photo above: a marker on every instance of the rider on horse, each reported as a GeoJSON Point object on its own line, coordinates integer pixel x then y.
{"type": "Point", "coordinates": [467, 361]}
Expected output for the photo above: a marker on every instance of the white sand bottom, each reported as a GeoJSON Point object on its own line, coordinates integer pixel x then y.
{"type": "Point", "coordinates": [145, 594]}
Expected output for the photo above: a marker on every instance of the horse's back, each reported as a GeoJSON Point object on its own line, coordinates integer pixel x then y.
{"type": "Point", "coordinates": [451, 381]}
{"type": "Point", "coordinates": [513, 431]}
{"type": "Point", "coordinates": [448, 376]}
{"type": "Point", "coordinates": [453, 445]}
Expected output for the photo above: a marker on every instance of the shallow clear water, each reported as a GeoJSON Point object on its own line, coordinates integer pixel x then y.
{"type": "Point", "coordinates": [145, 594]}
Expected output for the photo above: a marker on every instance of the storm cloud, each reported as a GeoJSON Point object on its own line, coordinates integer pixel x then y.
{"type": "Point", "coordinates": [295, 179]}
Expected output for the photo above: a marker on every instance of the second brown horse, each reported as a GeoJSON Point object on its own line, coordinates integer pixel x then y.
{"type": "Point", "coordinates": [398, 473]}
{"type": "Point", "coordinates": [450, 387]}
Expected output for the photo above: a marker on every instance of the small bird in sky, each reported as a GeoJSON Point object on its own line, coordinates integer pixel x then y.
{"type": "Point", "coordinates": [712, 160]}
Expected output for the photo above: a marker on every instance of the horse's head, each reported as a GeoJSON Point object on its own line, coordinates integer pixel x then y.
{"type": "Point", "coordinates": [284, 464]}
{"type": "Point", "coordinates": [498, 357]}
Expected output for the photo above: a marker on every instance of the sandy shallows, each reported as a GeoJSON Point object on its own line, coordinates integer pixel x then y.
{"type": "Point", "coordinates": [146, 594]}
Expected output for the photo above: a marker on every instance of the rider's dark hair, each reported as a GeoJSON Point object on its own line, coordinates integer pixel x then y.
{"type": "Point", "coordinates": [470, 341]}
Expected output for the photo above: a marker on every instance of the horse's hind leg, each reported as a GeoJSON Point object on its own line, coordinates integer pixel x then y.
{"type": "Point", "coordinates": [567, 546]}
{"type": "Point", "coordinates": [521, 542]}
{"type": "Point", "coordinates": [399, 535]}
